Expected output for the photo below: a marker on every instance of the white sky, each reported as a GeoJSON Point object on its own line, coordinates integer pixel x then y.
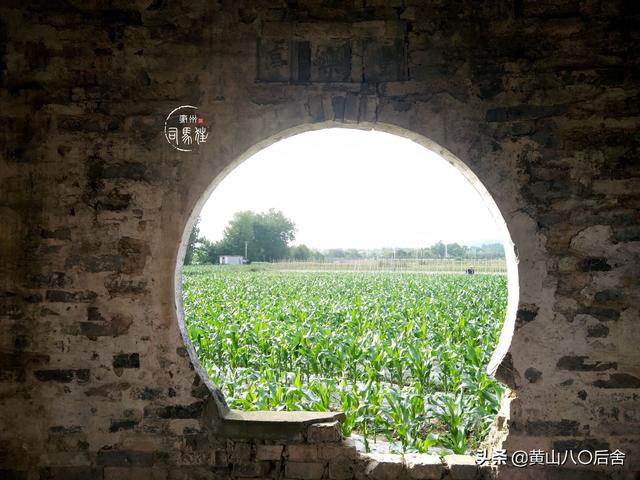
{"type": "Point", "coordinates": [347, 188]}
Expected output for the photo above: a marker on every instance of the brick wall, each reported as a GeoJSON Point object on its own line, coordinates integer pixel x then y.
{"type": "Point", "coordinates": [536, 100]}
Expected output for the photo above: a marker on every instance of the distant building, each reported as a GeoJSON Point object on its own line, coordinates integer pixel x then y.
{"type": "Point", "coordinates": [231, 260]}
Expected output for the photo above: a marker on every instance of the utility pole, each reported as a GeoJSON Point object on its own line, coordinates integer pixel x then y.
{"type": "Point", "coordinates": [246, 243]}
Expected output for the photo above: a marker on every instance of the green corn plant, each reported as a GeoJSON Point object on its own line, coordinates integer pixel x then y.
{"type": "Point", "coordinates": [404, 355]}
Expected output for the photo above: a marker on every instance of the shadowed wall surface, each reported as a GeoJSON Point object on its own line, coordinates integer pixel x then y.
{"type": "Point", "coordinates": [536, 100]}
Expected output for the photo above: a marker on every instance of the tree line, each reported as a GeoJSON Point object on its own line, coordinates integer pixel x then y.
{"type": "Point", "coordinates": [266, 237]}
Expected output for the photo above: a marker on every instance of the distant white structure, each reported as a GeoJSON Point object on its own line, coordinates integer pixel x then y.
{"type": "Point", "coordinates": [231, 260]}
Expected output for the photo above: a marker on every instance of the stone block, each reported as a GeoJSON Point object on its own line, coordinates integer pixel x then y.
{"type": "Point", "coordinates": [241, 452]}
{"type": "Point", "coordinates": [124, 424]}
{"type": "Point", "coordinates": [70, 297]}
{"type": "Point", "coordinates": [269, 452]}
{"type": "Point", "coordinates": [344, 449]}
{"type": "Point", "coordinates": [193, 410]}
{"type": "Point", "coordinates": [136, 473]}
{"type": "Point", "coordinates": [250, 469]}
{"type": "Point", "coordinates": [552, 427]}
{"type": "Point", "coordinates": [126, 458]}
{"type": "Point", "coordinates": [424, 467]}
{"type": "Point", "coordinates": [302, 453]}
{"type": "Point", "coordinates": [384, 466]}
{"type": "Point", "coordinates": [304, 470]}
{"type": "Point", "coordinates": [62, 376]}
{"type": "Point", "coordinates": [461, 467]}
{"type": "Point", "coordinates": [68, 473]}
{"type": "Point", "coordinates": [198, 473]}
{"type": "Point", "coordinates": [126, 360]}
{"type": "Point", "coordinates": [341, 468]}
{"type": "Point", "coordinates": [618, 380]}
{"type": "Point", "coordinates": [579, 363]}
{"type": "Point", "coordinates": [326, 432]}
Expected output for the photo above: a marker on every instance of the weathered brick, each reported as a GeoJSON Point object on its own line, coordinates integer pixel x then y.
{"type": "Point", "coordinates": [250, 470]}
{"type": "Point", "coordinates": [241, 452]}
{"type": "Point", "coordinates": [126, 360]}
{"type": "Point", "coordinates": [304, 470]}
{"type": "Point", "coordinates": [70, 473]}
{"type": "Point", "coordinates": [324, 432]}
{"type": "Point", "coordinates": [520, 112]}
{"type": "Point", "coordinates": [382, 466]}
{"type": "Point", "coordinates": [302, 453]}
{"type": "Point", "coordinates": [70, 297]}
{"type": "Point", "coordinates": [341, 468]}
{"type": "Point", "coordinates": [618, 380]}
{"type": "Point", "coordinates": [526, 315]}
{"type": "Point", "coordinates": [97, 263]}
{"type": "Point", "coordinates": [269, 452]}
{"type": "Point", "coordinates": [595, 264]}
{"type": "Point", "coordinates": [532, 375]}
{"type": "Point", "coordinates": [193, 410]}
{"type": "Point", "coordinates": [552, 427]}
{"type": "Point", "coordinates": [148, 393]}
{"type": "Point", "coordinates": [461, 467]}
{"type": "Point", "coordinates": [65, 429]}
{"type": "Point", "coordinates": [62, 375]}
{"type": "Point", "coordinates": [424, 467]}
{"type": "Point", "coordinates": [117, 425]}
{"type": "Point", "coordinates": [576, 445]}
{"type": "Point", "coordinates": [135, 473]}
{"type": "Point", "coordinates": [198, 472]}
{"type": "Point", "coordinates": [331, 451]}
{"type": "Point", "coordinates": [597, 331]}
{"type": "Point", "coordinates": [556, 473]}
{"type": "Point", "coordinates": [126, 458]}
{"type": "Point", "coordinates": [578, 363]}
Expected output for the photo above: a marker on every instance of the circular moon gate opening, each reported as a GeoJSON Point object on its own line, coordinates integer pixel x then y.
{"type": "Point", "coordinates": [399, 338]}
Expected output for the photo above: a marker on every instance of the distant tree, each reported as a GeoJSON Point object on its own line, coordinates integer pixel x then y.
{"type": "Point", "coordinates": [437, 250]}
{"type": "Point", "coordinates": [492, 250]}
{"type": "Point", "coordinates": [335, 253]}
{"type": "Point", "coordinates": [456, 250]}
{"type": "Point", "coordinates": [300, 253]}
{"type": "Point", "coordinates": [267, 235]}
{"type": "Point", "coordinates": [273, 232]}
{"type": "Point", "coordinates": [316, 256]}
{"type": "Point", "coordinates": [194, 239]}
{"type": "Point", "coordinates": [207, 252]}
{"type": "Point", "coordinates": [352, 253]}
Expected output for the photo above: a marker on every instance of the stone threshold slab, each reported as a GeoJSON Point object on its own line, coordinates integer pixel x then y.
{"type": "Point", "coordinates": [268, 425]}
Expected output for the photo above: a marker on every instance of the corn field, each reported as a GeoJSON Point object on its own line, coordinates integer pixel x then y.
{"type": "Point", "coordinates": [402, 354]}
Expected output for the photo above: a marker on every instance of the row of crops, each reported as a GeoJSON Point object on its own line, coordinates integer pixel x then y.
{"type": "Point", "coordinates": [402, 354]}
